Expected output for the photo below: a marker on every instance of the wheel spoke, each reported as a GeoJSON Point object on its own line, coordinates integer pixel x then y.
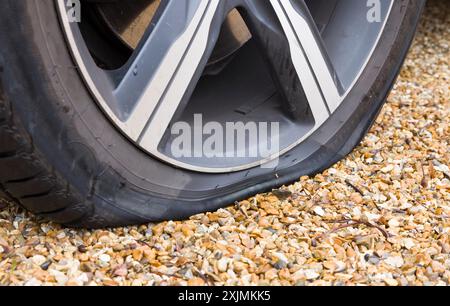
{"type": "Point", "coordinates": [311, 59]}
{"type": "Point", "coordinates": [165, 66]}
{"type": "Point", "coordinates": [274, 46]}
{"type": "Point", "coordinates": [300, 67]}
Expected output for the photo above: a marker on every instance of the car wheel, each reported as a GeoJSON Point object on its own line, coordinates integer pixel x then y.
{"type": "Point", "coordinates": [125, 112]}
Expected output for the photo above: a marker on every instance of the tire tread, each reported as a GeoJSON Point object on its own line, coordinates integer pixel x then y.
{"type": "Point", "coordinates": [28, 181]}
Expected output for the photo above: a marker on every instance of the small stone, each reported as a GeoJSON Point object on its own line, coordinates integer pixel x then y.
{"type": "Point", "coordinates": [46, 265]}
{"type": "Point", "coordinates": [391, 282]}
{"type": "Point", "coordinates": [186, 230]}
{"type": "Point", "coordinates": [281, 256]}
{"type": "Point", "coordinates": [104, 258]}
{"type": "Point", "coordinates": [61, 235]}
{"type": "Point", "coordinates": [280, 264]}
{"type": "Point", "coordinates": [118, 247]}
{"type": "Point", "coordinates": [60, 277]}
{"type": "Point", "coordinates": [356, 198]}
{"type": "Point", "coordinates": [222, 265]}
{"type": "Point", "coordinates": [393, 223]}
{"type": "Point", "coordinates": [138, 254]}
{"type": "Point", "coordinates": [311, 274]}
{"type": "Point", "coordinates": [136, 283]}
{"type": "Point", "coordinates": [438, 267]}
{"type": "Point", "coordinates": [408, 243]}
{"type": "Point", "coordinates": [38, 260]}
{"type": "Point", "coordinates": [271, 274]}
{"type": "Point", "coordinates": [149, 254]}
{"type": "Point", "coordinates": [372, 259]}
{"type": "Point", "coordinates": [84, 257]}
{"type": "Point", "coordinates": [33, 283]}
{"type": "Point", "coordinates": [110, 283]}
{"type": "Point", "coordinates": [319, 211]}
{"type": "Point", "coordinates": [387, 169]}
{"type": "Point", "coordinates": [395, 261]}
{"type": "Point", "coordinates": [74, 283]}
{"type": "Point", "coordinates": [195, 282]}
{"type": "Point", "coordinates": [83, 278]}
{"type": "Point", "coordinates": [82, 248]}
{"type": "Point", "coordinates": [239, 266]}
{"type": "Point", "coordinates": [121, 270]}
{"type": "Point", "coordinates": [87, 267]}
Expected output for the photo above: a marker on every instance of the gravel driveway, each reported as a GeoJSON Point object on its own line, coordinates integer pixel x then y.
{"type": "Point", "coordinates": [380, 217]}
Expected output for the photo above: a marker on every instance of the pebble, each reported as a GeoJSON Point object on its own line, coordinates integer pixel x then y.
{"type": "Point", "coordinates": [33, 283]}
{"type": "Point", "coordinates": [311, 274]}
{"type": "Point", "coordinates": [408, 243]}
{"type": "Point", "coordinates": [104, 258]}
{"type": "Point", "coordinates": [280, 264]}
{"type": "Point", "coordinates": [395, 261]}
{"type": "Point", "coordinates": [46, 265]}
{"type": "Point", "coordinates": [391, 282]}
{"type": "Point", "coordinates": [121, 270]}
{"type": "Point", "coordinates": [319, 211]}
{"type": "Point", "coordinates": [222, 265]}
{"type": "Point", "coordinates": [38, 260]}
{"type": "Point", "coordinates": [197, 281]}
{"type": "Point", "coordinates": [438, 267]}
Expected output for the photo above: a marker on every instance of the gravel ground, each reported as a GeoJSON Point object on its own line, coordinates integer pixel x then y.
{"type": "Point", "coordinates": [380, 217]}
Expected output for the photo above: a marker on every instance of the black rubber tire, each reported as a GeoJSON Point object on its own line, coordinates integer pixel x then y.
{"type": "Point", "coordinates": [61, 158]}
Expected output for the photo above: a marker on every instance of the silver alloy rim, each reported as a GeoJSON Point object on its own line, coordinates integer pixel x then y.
{"type": "Point", "coordinates": [142, 98]}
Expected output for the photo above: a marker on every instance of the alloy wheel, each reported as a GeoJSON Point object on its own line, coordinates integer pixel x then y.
{"type": "Point", "coordinates": [292, 62]}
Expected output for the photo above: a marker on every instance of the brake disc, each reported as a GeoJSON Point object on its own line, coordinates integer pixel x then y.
{"type": "Point", "coordinates": [129, 20]}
